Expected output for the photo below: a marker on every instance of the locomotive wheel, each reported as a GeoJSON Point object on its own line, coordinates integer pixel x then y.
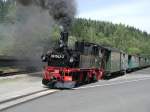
{"type": "Point", "coordinates": [51, 85]}
{"type": "Point", "coordinates": [77, 84]}
{"type": "Point", "coordinates": [107, 76]}
{"type": "Point", "coordinates": [45, 82]}
{"type": "Point", "coordinates": [87, 81]}
{"type": "Point", "coordinates": [94, 78]}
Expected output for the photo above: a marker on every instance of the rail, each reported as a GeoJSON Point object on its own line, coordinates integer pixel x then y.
{"type": "Point", "coordinates": [9, 64]}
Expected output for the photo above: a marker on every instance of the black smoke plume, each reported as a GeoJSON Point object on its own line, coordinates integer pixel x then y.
{"type": "Point", "coordinates": [35, 19]}
{"type": "Point", "coordinates": [62, 11]}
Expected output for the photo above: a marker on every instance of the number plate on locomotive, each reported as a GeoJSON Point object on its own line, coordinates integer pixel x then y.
{"type": "Point", "coordinates": [57, 56]}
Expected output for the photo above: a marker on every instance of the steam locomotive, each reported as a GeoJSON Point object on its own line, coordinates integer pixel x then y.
{"type": "Point", "coordinates": [85, 62]}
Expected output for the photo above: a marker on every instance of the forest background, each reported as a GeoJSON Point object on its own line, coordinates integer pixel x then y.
{"type": "Point", "coordinates": [126, 38]}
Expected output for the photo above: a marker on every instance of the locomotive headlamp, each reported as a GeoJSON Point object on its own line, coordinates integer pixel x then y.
{"type": "Point", "coordinates": [43, 58]}
{"type": "Point", "coordinates": [71, 60]}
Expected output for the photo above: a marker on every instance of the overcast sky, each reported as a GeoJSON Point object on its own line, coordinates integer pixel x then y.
{"type": "Point", "coordinates": [129, 12]}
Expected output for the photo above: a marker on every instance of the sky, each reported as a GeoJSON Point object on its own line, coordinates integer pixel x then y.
{"type": "Point", "coordinates": [134, 13]}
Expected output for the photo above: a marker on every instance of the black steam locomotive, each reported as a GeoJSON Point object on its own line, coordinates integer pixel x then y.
{"type": "Point", "coordinates": [84, 63]}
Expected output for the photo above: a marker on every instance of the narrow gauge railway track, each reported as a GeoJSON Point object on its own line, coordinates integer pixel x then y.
{"type": "Point", "coordinates": [10, 66]}
{"type": "Point", "coordinates": [15, 73]}
{"type": "Point", "coordinates": [8, 103]}
{"type": "Point", "coordinates": [11, 73]}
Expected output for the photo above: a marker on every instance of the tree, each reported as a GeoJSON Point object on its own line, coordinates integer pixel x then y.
{"type": "Point", "coordinates": [126, 38]}
{"type": "Point", "coordinates": [6, 8]}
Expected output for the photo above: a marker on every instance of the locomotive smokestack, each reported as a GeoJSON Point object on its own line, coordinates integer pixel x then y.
{"type": "Point", "coordinates": [63, 42]}
{"type": "Point", "coordinates": [64, 37]}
